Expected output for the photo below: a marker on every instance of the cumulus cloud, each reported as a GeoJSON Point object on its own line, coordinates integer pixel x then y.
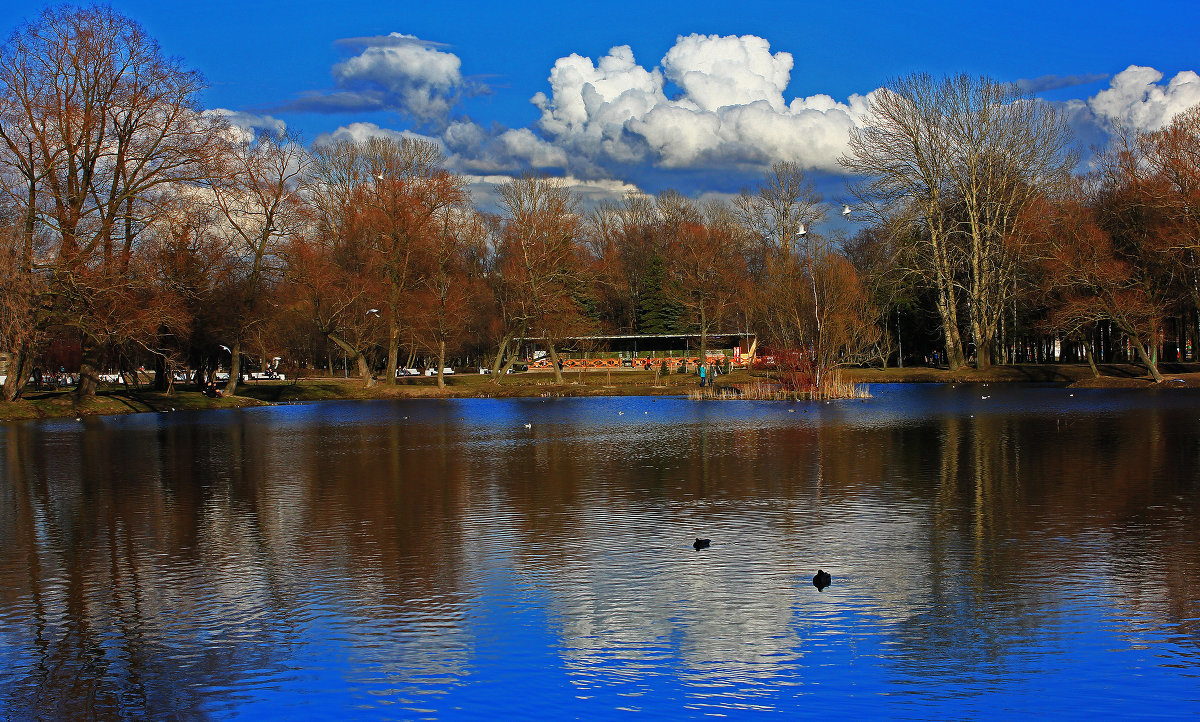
{"type": "Point", "coordinates": [1137, 99]}
{"type": "Point", "coordinates": [245, 126]}
{"type": "Point", "coordinates": [499, 150]}
{"type": "Point", "coordinates": [394, 72]}
{"type": "Point", "coordinates": [712, 103]}
{"type": "Point", "coordinates": [730, 109]}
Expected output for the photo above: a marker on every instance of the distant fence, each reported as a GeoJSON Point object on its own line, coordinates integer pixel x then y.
{"type": "Point", "coordinates": [646, 362]}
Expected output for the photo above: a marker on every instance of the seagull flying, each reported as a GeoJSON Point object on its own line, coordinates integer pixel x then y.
{"type": "Point", "coordinates": [802, 232]}
{"type": "Point", "coordinates": [226, 348]}
{"type": "Point", "coordinates": [845, 210]}
{"type": "Point", "coordinates": [373, 311]}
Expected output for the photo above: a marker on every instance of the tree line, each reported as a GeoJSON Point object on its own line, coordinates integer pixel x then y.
{"type": "Point", "coordinates": [147, 231]}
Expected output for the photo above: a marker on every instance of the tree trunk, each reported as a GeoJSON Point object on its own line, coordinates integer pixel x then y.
{"type": "Point", "coordinates": [162, 376]}
{"type": "Point", "coordinates": [441, 364]}
{"type": "Point", "coordinates": [983, 353]}
{"type": "Point", "coordinates": [1091, 359]}
{"type": "Point", "coordinates": [950, 337]}
{"type": "Point", "coordinates": [501, 353]}
{"type": "Point", "coordinates": [235, 368]}
{"type": "Point", "coordinates": [1151, 364]}
{"type": "Point", "coordinates": [19, 368]}
{"type": "Point", "coordinates": [89, 376]}
{"type": "Point", "coordinates": [511, 360]}
{"type": "Point", "coordinates": [947, 300]}
{"type": "Point", "coordinates": [363, 369]}
{"type": "Point", "coordinates": [393, 359]}
{"type": "Point", "coordinates": [558, 379]}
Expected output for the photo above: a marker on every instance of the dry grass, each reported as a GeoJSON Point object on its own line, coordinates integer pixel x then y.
{"type": "Point", "coordinates": [833, 388]}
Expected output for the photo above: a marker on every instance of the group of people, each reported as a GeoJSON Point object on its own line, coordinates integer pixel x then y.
{"type": "Point", "coordinates": [52, 381]}
{"type": "Point", "coordinates": [708, 372]}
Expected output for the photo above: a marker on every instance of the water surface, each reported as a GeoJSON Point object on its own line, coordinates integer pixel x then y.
{"type": "Point", "coordinates": [995, 551]}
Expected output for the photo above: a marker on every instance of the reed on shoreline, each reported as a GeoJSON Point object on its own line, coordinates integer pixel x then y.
{"type": "Point", "coordinates": [832, 387]}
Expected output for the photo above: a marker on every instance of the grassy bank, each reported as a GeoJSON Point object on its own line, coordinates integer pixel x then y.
{"type": "Point", "coordinates": [61, 404]}
{"type": "Point", "coordinates": [1079, 375]}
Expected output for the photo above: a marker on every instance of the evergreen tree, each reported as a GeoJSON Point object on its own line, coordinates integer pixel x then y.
{"type": "Point", "coordinates": [656, 312]}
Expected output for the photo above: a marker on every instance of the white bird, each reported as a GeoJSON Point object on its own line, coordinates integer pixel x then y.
{"type": "Point", "coordinates": [529, 426]}
{"type": "Point", "coordinates": [845, 210]}
{"type": "Point", "coordinates": [373, 311]}
{"type": "Point", "coordinates": [226, 348]}
{"type": "Point", "coordinates": [803, 231]}
{"type": "Point", "coordinates": [378, 177]}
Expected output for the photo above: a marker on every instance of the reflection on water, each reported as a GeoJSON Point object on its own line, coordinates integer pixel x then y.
{"type": "Point", "coordinates": [991, 548]}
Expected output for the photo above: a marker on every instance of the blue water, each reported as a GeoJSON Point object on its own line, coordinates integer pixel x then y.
{"type": "Point", "coordinates": [996, 551]}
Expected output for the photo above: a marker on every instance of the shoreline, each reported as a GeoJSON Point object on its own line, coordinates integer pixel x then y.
{"type": "Point", "coordinates": [61, 404]}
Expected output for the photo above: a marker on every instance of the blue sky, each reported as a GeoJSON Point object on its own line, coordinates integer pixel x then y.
{"type": "Point", "coordinates": [701, 97]}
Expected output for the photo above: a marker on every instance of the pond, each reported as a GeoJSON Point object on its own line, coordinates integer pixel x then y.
{"type": "Point", "coordinates": [994, 551]}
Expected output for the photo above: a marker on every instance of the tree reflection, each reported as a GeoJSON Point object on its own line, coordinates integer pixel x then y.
{"type": "Point", "coordinates": [156, 566]}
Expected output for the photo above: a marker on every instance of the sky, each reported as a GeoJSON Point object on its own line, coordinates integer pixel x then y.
{"type": "Point", "coordinates": [698, 96]}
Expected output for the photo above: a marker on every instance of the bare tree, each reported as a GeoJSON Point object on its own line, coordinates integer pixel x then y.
{"type": "Point", "coordinates": [952, 163]}
{"type": "Point", "coordinates": [20, 295]}
{"type": "Point", "coordinates": [449, 284]}
{"type": "Point", "coordinates": [541, 256]}
{"type": "Point", "coordinates": [98, 119]}
{"type": "Point", "coordinates": [256, 187]}
{"type": "Point", "coordinates": [782, 215]}
{"type": "Point", "coordinates": [1088, 279]}
{"type": "Point", "coordinates": [706, 261]}
{"type": "Point", "coordinates": [390, 192]}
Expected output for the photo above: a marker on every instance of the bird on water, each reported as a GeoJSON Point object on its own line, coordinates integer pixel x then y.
{"type": "Point", "coordinates": [700, 543]}
{"type": "Point", "coordinates": [822, 580]}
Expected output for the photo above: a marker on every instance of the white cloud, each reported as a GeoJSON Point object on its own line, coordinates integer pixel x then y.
{"type": "Point", "coordinates": [1136, 99]}
{"type": "Point", "coordinates": [476, 150]}
{"type": "Point", "coordinates": [393, 72]}
{"type": "Point", "coordinates": [485, 190]}
{"type": "Point", "coordinates": [712, 103]}
{"type": "Point", "coordinates": [359, 132]}
{"type": "Point", "coordinates": [730, 109]}
{"type": "Point", "coordinates": [715, 71]}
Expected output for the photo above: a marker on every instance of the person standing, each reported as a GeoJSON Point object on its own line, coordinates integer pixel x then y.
{"type": "Point", "coordinates": [702, 379]}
